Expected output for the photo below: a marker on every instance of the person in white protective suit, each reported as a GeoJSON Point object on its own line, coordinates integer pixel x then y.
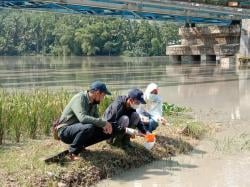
{"type": "Point", "coordinates": [151, 113]}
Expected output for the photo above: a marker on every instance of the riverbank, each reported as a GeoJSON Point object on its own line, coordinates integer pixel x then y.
{"type": "Point", "coordinates": [22, 163]}
{"type": "Point", "coordinates": [221, 160]}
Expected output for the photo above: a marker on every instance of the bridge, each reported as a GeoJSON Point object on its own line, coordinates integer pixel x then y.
{"type": "Point", "coordinates": [167, 10]}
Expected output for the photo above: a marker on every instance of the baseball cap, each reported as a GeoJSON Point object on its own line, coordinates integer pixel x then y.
{"type": "Point", "coordinates": [137, 94]}
{"type": "Point", "coordinates": [98, 85]}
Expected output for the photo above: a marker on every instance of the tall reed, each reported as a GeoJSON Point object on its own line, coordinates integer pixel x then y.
{"type": "Point", "coordinates": [1, 119]}
{"type": "Point", "coordinates": [30, 114]}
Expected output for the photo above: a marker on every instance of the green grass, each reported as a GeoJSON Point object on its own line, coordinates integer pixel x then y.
{"type": "Point", "coordinates": [29, 115]}
{"type": "Point", "coordinates": [23, 162]}
{"type": "Point", "coordinates": [187, 125]}
{"type": "Point", "coordinates": [239, 143]}
{"type": "Point", "coordinates": [172, 109]}
{"type": "Point", "coordinates": [195, 129]}
{"type": "Point", "coordinates": [106, 102]}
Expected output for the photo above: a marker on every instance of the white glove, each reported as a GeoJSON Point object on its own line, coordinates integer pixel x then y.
{"type": "Point", "coordinates": [144, 119]}
{"type": "Point", "coordinates": [162, 120]}
{"type": "Point", "coordinates": [131, 131]}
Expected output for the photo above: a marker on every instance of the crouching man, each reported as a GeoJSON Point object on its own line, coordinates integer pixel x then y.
{"type": "Point", "coordinates": [80, 122]}
{"type": "Point", "coordinates": [122, 114]}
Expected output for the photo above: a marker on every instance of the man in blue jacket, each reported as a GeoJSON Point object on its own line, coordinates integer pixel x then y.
{"type": "Point", "coordinates": [122, 114]}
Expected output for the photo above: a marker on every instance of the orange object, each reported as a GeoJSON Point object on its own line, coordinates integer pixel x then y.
{"type": "Point", "coordinates": [150, 137]}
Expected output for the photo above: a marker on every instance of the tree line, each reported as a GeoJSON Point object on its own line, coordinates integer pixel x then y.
{"type": "Point", "coordinates": [32, 33]}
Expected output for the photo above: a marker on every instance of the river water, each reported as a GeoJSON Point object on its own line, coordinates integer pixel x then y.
{"type": "Point", "coordinates": [218, 94]}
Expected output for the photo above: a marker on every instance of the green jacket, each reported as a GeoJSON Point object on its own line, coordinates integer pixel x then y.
{"type": "Point", "coordinates": [80, 109]}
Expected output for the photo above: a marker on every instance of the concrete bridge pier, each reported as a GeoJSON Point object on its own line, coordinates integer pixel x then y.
{"type": "Point", "coordinates": [175, 59]}
{"type": "Point", "coordinates": [245, 38]}
{"type": "Point", "coordinates": [208, 58]}
{"type": "Point", "coordinates": [211, 44]}
{"type": "Point", "coordinates": [186, 59]}
{"type": "Point", "coordinates": [243, 57]}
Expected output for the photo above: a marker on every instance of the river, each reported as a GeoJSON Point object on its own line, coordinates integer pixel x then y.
{"type": "Point", "coordinates": [218, 94]}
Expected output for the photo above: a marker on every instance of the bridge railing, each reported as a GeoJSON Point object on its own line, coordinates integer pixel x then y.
{"type": "Point", "coordinates": [230, 3]}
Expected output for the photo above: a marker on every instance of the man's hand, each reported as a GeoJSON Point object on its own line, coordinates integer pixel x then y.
{"type": "Point", "coordinates": [141, 134]}
{"type": "Point", "coordinates": [132, 136]}
{"type": "Point", "coordinates": [144, 119]}
{"type": "Point", "coordinates": [163, 121]}
{"type": "Point", "coordinates": [107, 129]}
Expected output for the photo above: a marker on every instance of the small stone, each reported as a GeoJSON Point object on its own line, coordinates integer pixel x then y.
{"type": "Point", "coordinates": [50, 174]}
{"type": "Point", "coordinates": [61, 184]}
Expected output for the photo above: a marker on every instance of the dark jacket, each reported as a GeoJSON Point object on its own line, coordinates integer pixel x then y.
{"type": "Point", "coordinates": [117, 109]}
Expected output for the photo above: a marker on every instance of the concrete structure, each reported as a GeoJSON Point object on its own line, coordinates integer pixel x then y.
{"type": "Point", "coordinates": [245, 38]}
{"type": "Point", "coordinates": [203, 44]}
{"type": "Point", "coordinates": [243, 57]}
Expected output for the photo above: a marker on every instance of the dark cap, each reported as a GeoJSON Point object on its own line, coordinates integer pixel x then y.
{"type": "Point", "coordinates": [98, 85]}
{"type": "Point", "coordinates": [136, 94]}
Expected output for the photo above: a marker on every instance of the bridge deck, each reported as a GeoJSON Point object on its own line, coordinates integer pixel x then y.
{"type": "Point", "coordinates": [143, 9]}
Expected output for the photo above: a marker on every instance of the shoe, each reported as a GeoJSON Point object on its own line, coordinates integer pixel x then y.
{"type": "Point", "coordinates": [83, 149]}
{"type": "Point", "coordinates": [110, 141]}
{"type": "Point", "coordinates": [128, 145]}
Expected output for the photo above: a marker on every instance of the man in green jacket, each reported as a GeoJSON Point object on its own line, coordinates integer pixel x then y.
{"type": "Point", "coordinates": [81, 125]}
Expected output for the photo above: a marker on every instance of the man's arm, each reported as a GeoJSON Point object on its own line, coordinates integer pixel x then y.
{"type": "Point", "coordinates": [111, 113]}
{"type": "Point", "coordinates": [96, 114]}
{"type": "Point", "coordinates": [141, 127]}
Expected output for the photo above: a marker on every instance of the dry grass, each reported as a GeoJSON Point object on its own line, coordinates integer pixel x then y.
{"type": "Point", "coordinates": [233, 144]}
{"type": "Point", "coordinates": [22, 164]}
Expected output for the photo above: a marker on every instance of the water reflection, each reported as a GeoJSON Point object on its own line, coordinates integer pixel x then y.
{"type": "Point", "coordinates": [120, 73]}
{"type": "Point", "coordinates": [211, 87]}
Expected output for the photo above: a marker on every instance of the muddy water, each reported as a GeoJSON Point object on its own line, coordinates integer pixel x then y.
{"type": "Point", "coordinates": [221, 99]}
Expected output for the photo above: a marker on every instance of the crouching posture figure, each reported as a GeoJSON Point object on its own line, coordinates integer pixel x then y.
{"type": "Point", "coordinates": [80, 122]}
{"type": "Point", "coordinates": [122, 114]}
{"type": "Point", "coordinates": [151, 113]}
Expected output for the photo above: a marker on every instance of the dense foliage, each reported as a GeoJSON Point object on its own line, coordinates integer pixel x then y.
{"type": "Point", "coordinates": [27, 33]}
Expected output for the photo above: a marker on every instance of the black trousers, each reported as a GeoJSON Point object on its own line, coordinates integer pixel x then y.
{"type": "Point", "coordinates": [82, 135]}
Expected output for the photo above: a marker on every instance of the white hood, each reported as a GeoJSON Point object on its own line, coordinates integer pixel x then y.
{"type": "Point", "coordinates": [149, 89]}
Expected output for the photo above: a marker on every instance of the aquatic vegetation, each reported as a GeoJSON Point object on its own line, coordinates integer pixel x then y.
{"type": "Point", "coordinates": [185, 124]}
{"type": "Point", "coordinates": [195, 129]}
{"type": "Point", "coordinates": [170, 109]}
{"type": "Point", "coordinates": [231, 144]}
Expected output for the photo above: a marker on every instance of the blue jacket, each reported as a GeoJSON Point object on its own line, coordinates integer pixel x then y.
{"type": "Point", "coordinates": [117, 109]}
